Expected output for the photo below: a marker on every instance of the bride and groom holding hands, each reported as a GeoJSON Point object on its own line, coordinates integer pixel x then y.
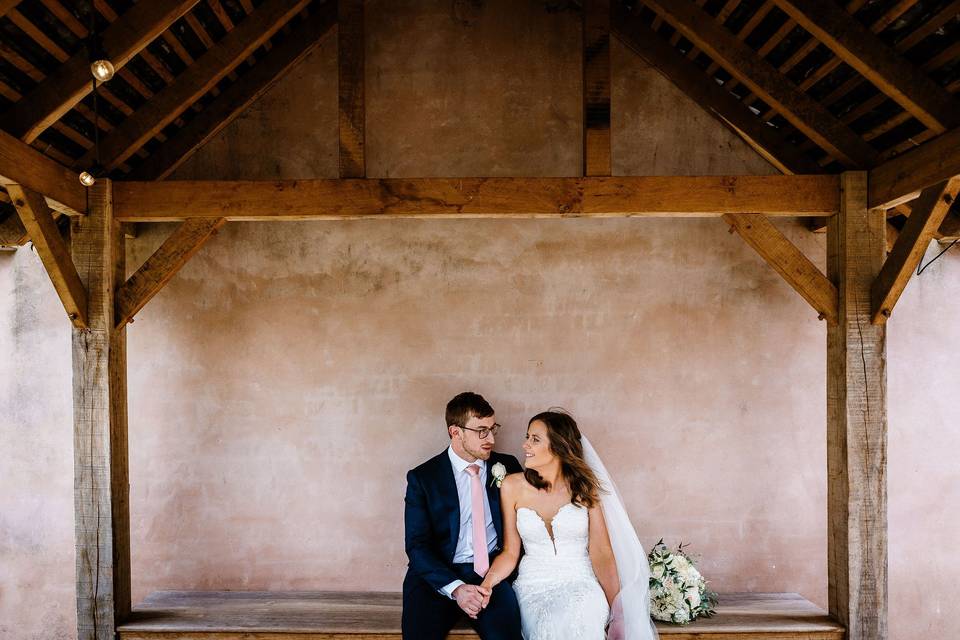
{"type": "Point", "coordinates": [545, 552]}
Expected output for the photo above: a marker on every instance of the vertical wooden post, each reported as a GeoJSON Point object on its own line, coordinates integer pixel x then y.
{"type": "Point", "coordinates": [596, 88]}
{"type": "Point", "coordinates": [856, 420]}
{"type": "Point", "coordinates": [350, 62]}
{"type": "Point", "coordinates": [101, 490]}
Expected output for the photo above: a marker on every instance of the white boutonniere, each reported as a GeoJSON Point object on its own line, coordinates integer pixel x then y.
{"type": "Point", "coordinates": [499, 472]}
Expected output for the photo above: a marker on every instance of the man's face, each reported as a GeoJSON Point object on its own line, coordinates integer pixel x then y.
{"type": "Point", "coordinates": [468, 441]}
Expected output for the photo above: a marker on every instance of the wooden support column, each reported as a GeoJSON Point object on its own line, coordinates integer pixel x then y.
{"type": "Point", "coordinates": [596, 88]}
{"type": "Point", "coordinates": [101, 490]}
{"type": "Point", "coordinates": [350, 63]}
{"type": "Point", "coordinates": [856, 420]}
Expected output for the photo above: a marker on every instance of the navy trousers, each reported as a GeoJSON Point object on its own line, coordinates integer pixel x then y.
{"type": "Point", "coordinates": [429, 615]}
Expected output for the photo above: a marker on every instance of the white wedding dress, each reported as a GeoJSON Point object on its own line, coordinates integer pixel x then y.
{"type": "Point", "coordinates": [559, 595]}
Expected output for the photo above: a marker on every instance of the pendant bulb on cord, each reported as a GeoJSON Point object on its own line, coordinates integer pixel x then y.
{"type": "Point", "coordinates": [102, 70]}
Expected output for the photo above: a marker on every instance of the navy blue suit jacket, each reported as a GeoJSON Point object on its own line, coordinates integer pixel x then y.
{"type": "Point", "coordinates": [432, 516]}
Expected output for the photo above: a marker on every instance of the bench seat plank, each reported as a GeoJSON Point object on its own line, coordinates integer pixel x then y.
{"type": "Point", "coordinates": [326, 615]}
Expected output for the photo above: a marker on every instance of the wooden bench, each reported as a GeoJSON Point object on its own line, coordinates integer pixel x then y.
{"type": "Point", "coordinates": [326, 615]}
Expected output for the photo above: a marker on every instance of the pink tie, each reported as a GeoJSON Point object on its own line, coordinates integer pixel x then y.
{"type": "Point", "coordinates": [481, 559]}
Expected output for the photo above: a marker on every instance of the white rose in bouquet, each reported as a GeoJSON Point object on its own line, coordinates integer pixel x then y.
{"type": "Point", "coordinates": [678, 592]}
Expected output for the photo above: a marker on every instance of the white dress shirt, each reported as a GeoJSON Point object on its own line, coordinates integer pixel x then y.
{"type": "Point", "coordinates": [464, 552]}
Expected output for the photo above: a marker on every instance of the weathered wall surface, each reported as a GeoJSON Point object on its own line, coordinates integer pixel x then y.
{"type": "Point", "coordinates": [284, 381]}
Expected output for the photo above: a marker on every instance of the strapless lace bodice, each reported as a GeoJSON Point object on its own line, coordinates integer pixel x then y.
{"type": "Point", "coordinates": [570, 528]}
{"type": "Point", "coordinates": [558, 592]}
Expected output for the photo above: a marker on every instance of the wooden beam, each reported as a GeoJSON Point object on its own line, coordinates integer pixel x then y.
{"type": "Point", "coordinates": [893, 234]}
{"type": "Point", "coordinates": [101, 479]}
{"type": "Point", "coordinates": [39, 224]}
{"type": "Point", "coordinates": [787, 260]}
{"type": "Point", "coordinates": [892, 74]}
{"type": "Point", "coordinates": [856, 421]}
{"type": "Point", "coordinates": [927, 214]}
{"type": "Point", "coordinates": [165, 262]}
{"type": "Point", "coordinates": [193, 83]}
{"type": "Point", "coordinates": [71, 82]}
{"type": "Point", "coordinates": [350, 63]}
{"type": "Point", "coordinates": [708, 95]}
{"type": "Point", "coordinates": [805, 113]}
{"type": "Point", "coordinates": [236, 98]}
{"type": "Point", "coordinates": [22, 164]}
{"type": "Point", "coordinates": [677, 196]}
{"type": "Point", "coordinates": [898, 179]}
{"type": "Point", "coordinates": [7, 5]}
{"type": "Point", "coordinates": [596, 88]}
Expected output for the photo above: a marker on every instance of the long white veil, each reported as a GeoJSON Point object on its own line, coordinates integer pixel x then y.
{"type": "Point", "coordinates": [630, 613]}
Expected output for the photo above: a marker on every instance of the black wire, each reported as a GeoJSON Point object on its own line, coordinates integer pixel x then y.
{"type": "Point", "coordinates": [934, 259]}
{"type": "Point", "coordinates": [91, 54]}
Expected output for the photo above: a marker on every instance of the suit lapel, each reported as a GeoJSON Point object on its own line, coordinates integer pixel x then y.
{"type": "Point", "coordinates": [493, 495]}
{"type": "Point", "coordinates": [448, 487]}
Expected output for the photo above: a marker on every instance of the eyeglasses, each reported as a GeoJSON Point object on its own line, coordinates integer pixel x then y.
{"type": "Point", "coordinates": [484, 431]}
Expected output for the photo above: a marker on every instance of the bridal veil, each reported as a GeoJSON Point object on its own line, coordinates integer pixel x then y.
{"type": "Point", "coordinates": [630, 613]}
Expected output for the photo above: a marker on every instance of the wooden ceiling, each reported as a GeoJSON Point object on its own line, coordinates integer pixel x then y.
{"type": "Point", "coordinates": [817, 86]}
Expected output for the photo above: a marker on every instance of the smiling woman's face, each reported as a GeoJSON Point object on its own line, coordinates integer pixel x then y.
{"type": "Point", "coordinates": [536, 447]}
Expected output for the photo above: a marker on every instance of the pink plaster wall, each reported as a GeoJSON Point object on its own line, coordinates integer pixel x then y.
{"type": "Point", "coordinates": [284, 381]}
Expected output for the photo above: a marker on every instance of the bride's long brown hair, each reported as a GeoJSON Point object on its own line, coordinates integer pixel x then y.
{"type": "Point", "coordinates": [564, 438]}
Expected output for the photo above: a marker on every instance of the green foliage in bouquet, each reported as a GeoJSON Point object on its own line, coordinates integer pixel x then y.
{"type": "Point", "coordinates": [678, 593]}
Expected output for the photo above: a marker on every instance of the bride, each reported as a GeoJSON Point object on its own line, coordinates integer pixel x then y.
{"type": "Point", "coordinates": [584, 574]}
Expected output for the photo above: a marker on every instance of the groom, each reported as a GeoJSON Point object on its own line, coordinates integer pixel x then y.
{"type": "Point", "coordinates": [453, 530]}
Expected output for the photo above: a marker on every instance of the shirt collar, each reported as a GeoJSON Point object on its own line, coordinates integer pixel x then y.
{"type": "Point", "coordinates": [460, 465]}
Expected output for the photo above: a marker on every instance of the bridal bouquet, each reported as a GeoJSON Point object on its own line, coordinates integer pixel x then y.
{"type": "Point", "coordinates": [678, 593]}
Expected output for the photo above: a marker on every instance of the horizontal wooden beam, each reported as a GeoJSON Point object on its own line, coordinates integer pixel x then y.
{"type": "Point", "coordinates": [897, 179]}
{"type": "Point", "coordinates": [22, 164]}
{"type": "Point", "coordinates": [803, 112]}
{"type": "Point", "coordinates": [674, 196]}
{"type": "Point", "coordinates": [238, 96]}
{"type": "Point", "coordinates": [892, 74]}
{"type": "Point", "coordinates": [160, 267]}
{"type": "Point", "coordinates": [708, 95]}
{"type": "Point", "coordinates": [193, 83]}
{"type": "Point", "coordinates": [787, 260]}
{"type": "Point", "coordinates": [928, 212]}
{"type": "Point", "coordinates": [53, 252]}
{"type": "Point", "coordinates": [71, 82]}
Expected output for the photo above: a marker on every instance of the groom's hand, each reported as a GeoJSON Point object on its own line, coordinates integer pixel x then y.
{"type": "Point", "coordinates": [470, 598]}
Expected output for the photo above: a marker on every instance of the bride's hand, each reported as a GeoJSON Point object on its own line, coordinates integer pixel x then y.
{"type": "Point", "coordinates": [486, 589]}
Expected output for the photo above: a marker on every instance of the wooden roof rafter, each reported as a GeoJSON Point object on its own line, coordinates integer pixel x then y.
{"type": "Point", "coordinates": [737, 58]}
{"type": "Point", "coordinates": [861, 49]}
{"type": "Point", "coordinates": [270, 68]}
{"type": "Point", "coordinates": [717, 100]}
{"type": "Point", "coordinates": [194, 83]}
{"type": "Point", "coordinates": [71, 82]}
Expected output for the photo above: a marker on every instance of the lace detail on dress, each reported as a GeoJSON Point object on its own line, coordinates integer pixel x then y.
{"type": "Point", "coordinates": [559, 596]}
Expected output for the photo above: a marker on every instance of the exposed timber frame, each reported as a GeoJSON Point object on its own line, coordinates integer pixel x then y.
{"type": "Point", "coordinates": [234, 100]}
{"type": "Point", "coordinates": [597, 160]}
{"type": "Point", "coordinates": [39, 224]}
{"type": "Point", "coordinates": [351, 92]}
{"type": "Point", "coordinates": [70, 83]}
{"type": "Point", "coordinates": [856, 420]}
{"type": "Point", "coordinates": [665, 196]}
{"type": "Point", "coordinates": [101, 484]}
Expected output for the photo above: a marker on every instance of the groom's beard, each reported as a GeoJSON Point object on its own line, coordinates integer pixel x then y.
{"type": "Point", "coordinates": [481, 451]}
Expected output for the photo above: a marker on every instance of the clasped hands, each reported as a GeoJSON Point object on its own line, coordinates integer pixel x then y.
{"type": "Point", "coordinates": [472, 598]}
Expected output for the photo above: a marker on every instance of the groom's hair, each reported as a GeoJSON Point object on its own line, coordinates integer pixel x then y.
{"type": "Point", "coordinates": [467, 405]}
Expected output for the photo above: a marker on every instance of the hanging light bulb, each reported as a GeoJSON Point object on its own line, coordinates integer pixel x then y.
{"type": "Point", "coordinates": [102, 70]}
{"type": "Point", "coordinates": [87, 179]}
